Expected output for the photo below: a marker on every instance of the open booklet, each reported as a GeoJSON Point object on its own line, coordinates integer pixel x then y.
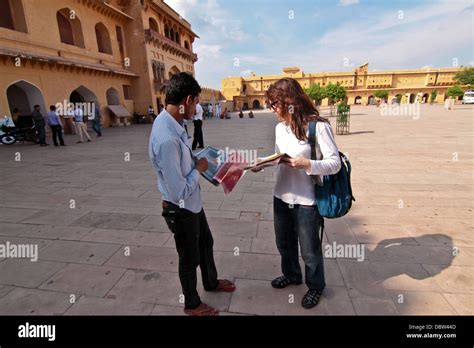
{"type": "Point", "coordinates": [226, 170]}
{"type": "Point", "coordinates": [222, 170]}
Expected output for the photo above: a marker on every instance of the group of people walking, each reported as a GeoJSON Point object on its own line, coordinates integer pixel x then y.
{"type": "Point", "coordinates": [54, 122]}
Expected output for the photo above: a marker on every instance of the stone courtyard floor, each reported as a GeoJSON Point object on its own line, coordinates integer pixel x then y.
{"type": "Point", "coordinates": [412, 178]}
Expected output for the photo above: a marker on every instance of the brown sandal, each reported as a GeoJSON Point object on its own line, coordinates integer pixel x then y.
{"type": "Point", "coordinates": [224, 285]}
{"type": "Point", "coordinates": [203, 310]}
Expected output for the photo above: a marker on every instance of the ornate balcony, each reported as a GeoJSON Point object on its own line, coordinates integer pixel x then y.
{"type": "Point", "coordinates": [169, 45]}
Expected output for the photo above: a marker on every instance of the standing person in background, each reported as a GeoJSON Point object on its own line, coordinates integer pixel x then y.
{"type": "Point", "coordinates": [40, 125]}
{"type": "Point", "coordinates": [151, 113]}
{"type": "Point", "coordinates": [209, 108]}
{"type": "Point", "coordinates": [218, 109]}
{"type": "Point", "coordinates": [197, 120]}
{"type": "Point", "coordinates": [54, 122]}
{"type": "Point", "coordinates": [81, 127]}
{"type": "Point", "coordinates": [96, 120]}
{"type": "Point", "coordinates": [15, 115]}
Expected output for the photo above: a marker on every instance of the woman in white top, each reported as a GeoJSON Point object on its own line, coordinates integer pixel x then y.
{"type": "Point", "coordinates": [296, 216]}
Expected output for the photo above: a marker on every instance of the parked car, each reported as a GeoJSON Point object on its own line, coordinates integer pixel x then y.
{"type": "Point", "coordinates": [468, 97]}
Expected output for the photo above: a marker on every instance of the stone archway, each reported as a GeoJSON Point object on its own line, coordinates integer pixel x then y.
{"type": "Point", "coordinates": [23, 95]}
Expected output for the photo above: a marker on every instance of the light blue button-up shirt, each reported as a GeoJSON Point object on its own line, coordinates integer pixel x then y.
{"type": "Point", "coordinates": [173, 161]}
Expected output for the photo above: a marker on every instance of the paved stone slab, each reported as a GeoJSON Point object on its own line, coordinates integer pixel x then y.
{"type": "Point", "coordinates": [421, 303]}
{"type": "Point", "coordinates": [56, 232]}
{"type": "Point", "coordinates": [59, 217]}
{"type": "Point", "coordinates": [5, 290]}
{"type": "Point", "coordinates": [148, 286]}
{"type": "Point", "coordinates": [15, 215]}
{"type": "Point", "coordinates": [462, 303]}
{"type": "Point", "coordinates": [402, 276]}
{"type": "Point", "coordinates": [373, 306]}
{"type": "Point", "coordinates": [87, 305]}
{"type": "Point", "coordinates": [14, 229]}
{"type": "Point", "coordinates": [146, 258]}
{"type": "Point", "coordinates": [103, 220]}
{"type": "Point", "coordinates": [21, 301]}
{"type": "Point", "coordinates": [21, 272]}
{"type": "Point", "coordinates": [84, 279]}
{"type": "Point", "coordinates": [455, 279]}
{"type": "Point", "coordinates": [127, 237]}
{"type": "Point", "coordinates": [153, 223]}
{"type": "Point", "coordinates": [234, 228]}
{"type": "Point", "coordinates": [79, 252]}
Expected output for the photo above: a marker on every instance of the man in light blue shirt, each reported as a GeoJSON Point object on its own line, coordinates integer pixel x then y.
{"type": "Point", "coordinates": [54, 122]}
{"type": "Point", "coordinates": [178, 174]}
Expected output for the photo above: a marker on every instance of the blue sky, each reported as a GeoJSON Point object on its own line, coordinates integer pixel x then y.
{"type": "Point", "coordinates": [263, 36]}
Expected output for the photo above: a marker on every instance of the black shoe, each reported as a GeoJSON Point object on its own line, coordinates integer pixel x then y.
{"type": "Point", "coordinates": [282, 282]}
{"type": "Point", "coordinates": [56, 145]}
{"type": "Point", "coordinates": [311, 298]}
{"type": "Point", "coordinates": [63, 144]}
{"type": "Point", "coordinates": [88, 140]}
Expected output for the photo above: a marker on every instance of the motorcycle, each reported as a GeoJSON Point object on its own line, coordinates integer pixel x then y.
{"type": "Point", "coordinates": [13, 134]}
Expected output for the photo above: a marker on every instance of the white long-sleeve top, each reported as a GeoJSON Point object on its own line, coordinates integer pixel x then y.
{"type": "Point", "coordinates": [295, 186]}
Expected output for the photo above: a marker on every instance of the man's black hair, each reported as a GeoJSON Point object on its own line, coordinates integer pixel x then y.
{"type": "Point", "coordinates": [52, 108]}
{"type": "Point", "coordinates": [181, 85]}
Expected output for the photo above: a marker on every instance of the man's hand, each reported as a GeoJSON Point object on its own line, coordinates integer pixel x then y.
{"type": "Point", "coordinates": [202, 165]}
{"type": "Point", "coordinates": [297, 162]}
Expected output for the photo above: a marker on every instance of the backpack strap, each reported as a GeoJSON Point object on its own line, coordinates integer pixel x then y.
{"type": "Point", "coordinates": [315, 149]}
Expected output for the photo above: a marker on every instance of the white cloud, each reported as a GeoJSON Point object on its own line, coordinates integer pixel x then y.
{"type": "Point", "coordinates": [387, 42]}
{"type": "Point", "coordinates": [348, 2]}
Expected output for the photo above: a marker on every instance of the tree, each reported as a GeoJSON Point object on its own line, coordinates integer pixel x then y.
{"type": "Point", "coordinates": [455, 91]}
{"type": "Point", "coordinates": [465, 77]}
{"type": "Point", "coordinates": [316, 93]}
{"type": "Point", "coordinates": [433, 96]}
{"type": "Point", "coordinates": [381, 95]}
{"type": "Point", "coordinates": [335, 93]}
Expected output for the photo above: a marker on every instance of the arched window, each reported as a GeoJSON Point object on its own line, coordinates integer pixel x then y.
{"type": "Point", "coordinates": [186, 45]}
{"type": "Point", "coordinates": [176, 38]}
{"type": "Point", "coordinates": [171, 34]}
{"type": "Point", "coordinates": [12, 15]}
{"type": "Point", "coordinates": [153, 25]}
{"type": "Point", "coordinates": [112, 97]}
{"type": "Point", "coordinates": [103, 39]}
{"type": "Point", "coordinates": [70, 28]}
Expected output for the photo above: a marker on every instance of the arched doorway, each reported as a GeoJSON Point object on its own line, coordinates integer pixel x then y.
{"type": "Point", "coordinates": [371, 100]}
{"type": "Point", "coordinates": [245, 106]}
{"type": "Point", "coordinates": [113, 97]}
{"type": "Point", "coordinates": [425, 98]}
{"type": "Point", "coordinates": [23, 96]}
{"type": "Point", "coordinates": [412, 98]}
{"type": "Point", "coordinates": [256, 104]}
{"type": "Point", "coordinates": [358, 100]}
{"type": "Point", "coordinates": [84, 98]}
{"type": "Point", "coordinates": [173, 70]}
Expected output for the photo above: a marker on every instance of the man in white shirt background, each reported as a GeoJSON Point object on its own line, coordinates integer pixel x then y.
{"type": "Point", "coordinates": [197, 120]}
{"type": "Point", "coordinates": [81, 127]}
{"type": "Point", "coordinates": [210, 111]}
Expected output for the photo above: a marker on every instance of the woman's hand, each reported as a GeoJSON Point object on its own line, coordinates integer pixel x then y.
{"type": "Point", "coordinates": [298, 162]}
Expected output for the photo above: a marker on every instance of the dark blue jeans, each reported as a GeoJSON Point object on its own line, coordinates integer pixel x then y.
{"type": "Point", "coordinates": [96, 127]}
{"type": "Point", "coordinates": [299, 223]}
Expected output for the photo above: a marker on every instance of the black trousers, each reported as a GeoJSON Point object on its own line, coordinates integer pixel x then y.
{"type": "Point", "coordinates": [194, 244]}
{"type": "Point", "coordinates": [198, 137]}
{"type": "Point", "coordinates": [57, 133]}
